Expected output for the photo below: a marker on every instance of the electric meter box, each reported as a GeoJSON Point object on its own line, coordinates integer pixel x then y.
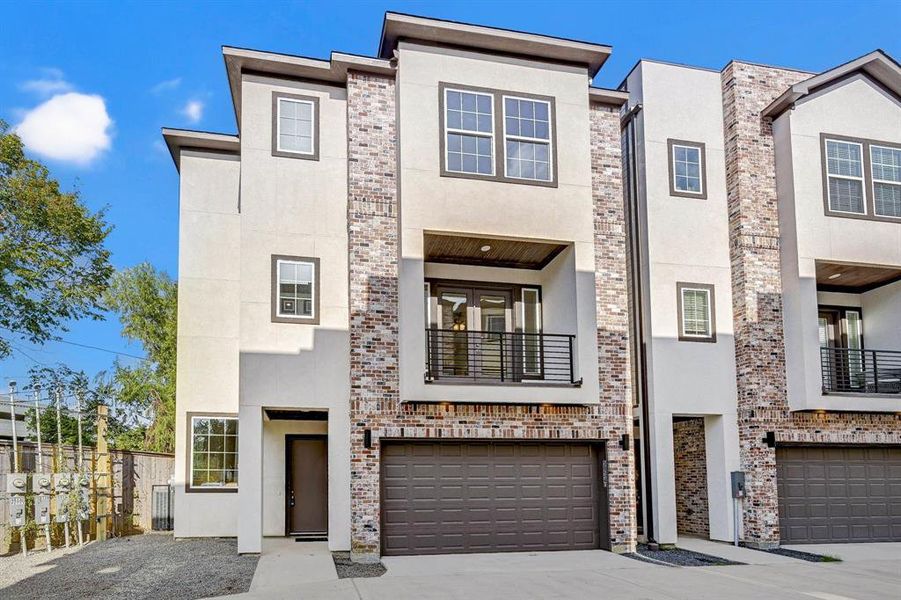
{"type": "Point", "coordinates": [62, 485]}
{"type": "Point", "coordinates": [41, 486]}
{"type": "Point", "coordinates": [16, 486]}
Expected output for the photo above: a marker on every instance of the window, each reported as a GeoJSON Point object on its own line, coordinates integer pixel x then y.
{"type": "Point", "coordinates": [687, 166]}
{"type": "Point", "coordinates": [295, 131]}
{"type": "Point", "coordinates": [696, 312]}
{"type": "Point", "coordinates": [886, 172]}
{"type": "Point", "coordinates": [527, 138]}
{"type": "Point", "coordinates": [469, 123]}
{"type": "Point", "coordinates": [295, 289]}
{"type": "Point", "coordinates": [498, 136]}
{"type": "Point", "coordinates": [861, 178]}
{"type": "Point", "coordinates": [214, 453]}
{"type": "Point", "coordinates": [844, 173]}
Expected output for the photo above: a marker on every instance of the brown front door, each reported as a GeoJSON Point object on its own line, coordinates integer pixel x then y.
{"type": "Point", "coordinates": [307, 485]}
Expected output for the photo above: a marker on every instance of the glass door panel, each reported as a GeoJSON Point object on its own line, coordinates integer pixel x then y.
{"type": "Point", "coordinates": [494, 317]}
{"type": "Point", "coordinates": [454, 307]}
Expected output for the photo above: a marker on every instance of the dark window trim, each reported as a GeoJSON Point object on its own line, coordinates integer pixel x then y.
{"type": "Point", "coordinates": [702, 147]}
{"type": "Point", "coordinates": [189, 444]}
{"type": "Point", "coordinates": [842, 313]}
{"type": "Point", "coordinates": [276, 318]}
{"type": "Point", "coordinates": [680, 285]}
{"type": "Point", "coordinates": [276, 96]}
{"type": "Point", "coordinates": [869, 196]}
{"type": "Point", "coordinates": [500, 161]}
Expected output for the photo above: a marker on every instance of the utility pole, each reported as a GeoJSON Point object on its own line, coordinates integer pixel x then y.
{"type": "Point", "coordinates": [79, 464]}
{"type": "Point", "coordinates": [59, 453]}
{"type": "Point", "coordinates": [103, 470]}
{"type": "Point", "coordinates": [12, 419]}
{"type": "Point", "coordinates": [40, 473]}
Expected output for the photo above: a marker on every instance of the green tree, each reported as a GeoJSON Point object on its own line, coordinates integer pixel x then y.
{"type": "Point", "coordinates": [53, 265]}
{"type": "Point", "coordinates": [146, 301]}
{"type": "Point", "coordinates": [76, 389]}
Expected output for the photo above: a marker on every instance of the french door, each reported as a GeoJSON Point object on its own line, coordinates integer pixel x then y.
{"type": "Point", "coordinates": [473, 324]}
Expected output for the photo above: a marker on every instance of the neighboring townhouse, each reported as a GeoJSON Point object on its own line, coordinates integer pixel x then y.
{"type": "Point", "coordinates": [768, 207]}
{"type": "Point", "coordinates": [449, 299]}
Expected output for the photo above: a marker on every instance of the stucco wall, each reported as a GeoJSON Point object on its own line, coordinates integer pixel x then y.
{"type": "Point", "coordinates": [430, 202]}
{"type": "Point", "coordinates": [293, 207]}
{"type": "Point", "coordinates": [208, 328]}
{"type": "Point", "coordinates": [853, 108]}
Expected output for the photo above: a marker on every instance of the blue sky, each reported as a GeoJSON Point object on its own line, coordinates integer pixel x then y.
{"type": "Point", "coordinates": [130, 68]}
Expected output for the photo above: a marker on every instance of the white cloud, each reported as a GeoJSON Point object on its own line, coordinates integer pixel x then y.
{"type": "Point", "coordinates": [70, 127]}
{"type": "Point", "coordinates": [52, 82]}
{"type": "Point", "coordinates": [193, 110]}
{"type": "Point", "coordinates": [165, 86]}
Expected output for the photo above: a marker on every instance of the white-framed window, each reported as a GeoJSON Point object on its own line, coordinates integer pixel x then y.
{"type": "Point", "coordinates": [845, 177]}
{"type": "Point", "coordinates": [531, 324]}
{"type": "Point", "coordinates": [527, 139]}
{"type": "Point", "coordinates": [696, 313]}
{"type": "Point", "coordinates": [214, 452]}
{"type": "Point", "coordinates": [469, 132]}
{"type": "Point", "coordinates": [296, 122]}
{"type": "Point", "coordinates": [687, 169]}
{"type": "Point", "coordinates": [296, 289]}
{"type": "Point", "coordinates": [885, 168]}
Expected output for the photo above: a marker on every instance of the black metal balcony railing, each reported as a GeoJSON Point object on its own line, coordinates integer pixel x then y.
{"type": "Point", "coordinates": [499, 357]}
{"type": "Point", "coordinates": [861, 371]}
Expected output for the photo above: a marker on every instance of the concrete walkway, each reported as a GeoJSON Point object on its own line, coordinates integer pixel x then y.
{"type": "Point", "coordinates": [870, 572]}
{"type": "Point", "coordinates": [733, 553]}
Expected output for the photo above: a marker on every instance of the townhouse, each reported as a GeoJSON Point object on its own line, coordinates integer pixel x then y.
{"type": "Point", "coordinates": [453, 298]}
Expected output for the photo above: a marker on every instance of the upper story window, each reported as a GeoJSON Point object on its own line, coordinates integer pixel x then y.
{"type": "Point", "coordinates": [295, 126]}
{"type": "Point", "coordinates": [687, 166]}
{"type": "Point", "coordinates": [696, 312]}
{"type": "Point", "coordinates": [470, 132]}
{"type": "Point", "coordinates": [214, 453]}
{"type": "Point", "coordinates": [527, 138]}
{"type": "Point", "coordinates": [844, 170]}
{"type": "Point", "coordinates": [861, 178]}
{"type": "Point", "coordinates": [295, 289]}
{"type": "Point", "coordinates": [885, 163]}
{"type": "Point", "coordinates": [498, 136]}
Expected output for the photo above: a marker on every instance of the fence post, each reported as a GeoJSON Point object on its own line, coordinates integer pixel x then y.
{"type": "Point", "coordinates": [103, 468]}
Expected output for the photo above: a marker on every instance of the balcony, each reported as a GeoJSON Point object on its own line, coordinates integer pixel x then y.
{"type": "Point", "coordinates": [499, 357]}
{"type": "Point", "coordinates": [852, 371]}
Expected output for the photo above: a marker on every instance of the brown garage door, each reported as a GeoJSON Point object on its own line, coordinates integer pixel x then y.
{"type": "Point", "coordinates": [839, 494]}
{"type": "Point", "coordinates": [453, 497]}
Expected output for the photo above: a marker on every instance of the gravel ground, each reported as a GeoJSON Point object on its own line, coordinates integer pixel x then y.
{"type": "Point", "coordinates": [808, 556]}
{"type": "Point", "coordinates": [138, 567]}
{"type": "Point", "coordinates": [683, 558]}
{"type": "Point", "coordinates": [346, 568]}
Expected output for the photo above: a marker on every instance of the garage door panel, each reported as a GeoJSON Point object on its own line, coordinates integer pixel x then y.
{"type": "Point", "coordinates": [839, 494]}
{"type": "Point", "coordinates": [488, 497]}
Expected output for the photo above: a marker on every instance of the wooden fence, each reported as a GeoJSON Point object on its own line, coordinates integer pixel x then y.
{"type": "Point", "coordinates": [133, 475]}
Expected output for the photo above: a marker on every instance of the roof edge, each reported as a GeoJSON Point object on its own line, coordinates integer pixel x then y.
{"type": "Point", "coordinates": [182, 139]}
{"type": "Point", "coordinates": [607, 96]}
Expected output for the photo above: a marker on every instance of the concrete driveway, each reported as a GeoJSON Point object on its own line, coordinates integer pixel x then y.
{"type": "Point", "coordinates": [869, 572]}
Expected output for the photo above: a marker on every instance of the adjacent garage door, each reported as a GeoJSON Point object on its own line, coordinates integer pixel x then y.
{"type": "Point", "coordinates": [839, 494]}
{"type": "Point", "coordinates": [453, 497]}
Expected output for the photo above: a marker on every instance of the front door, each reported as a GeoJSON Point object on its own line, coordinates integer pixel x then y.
{"type": "Point", "coordinates": [307, 485]}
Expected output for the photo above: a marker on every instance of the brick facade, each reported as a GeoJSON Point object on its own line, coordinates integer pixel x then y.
{"type": "Point", "coordinates": [757, 303]}
{"type": "Point", "coordinates": [373, 252]}
{"type": "Point", "coordinates": [690, 471]}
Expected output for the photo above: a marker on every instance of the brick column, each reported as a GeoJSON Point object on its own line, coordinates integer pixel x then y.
{"type": "Point", "coordinates": [756, 283]}
{"type": "Point", "coordinates": [611, 296]}
{"type": "Point", "coordinates": [372, 237]}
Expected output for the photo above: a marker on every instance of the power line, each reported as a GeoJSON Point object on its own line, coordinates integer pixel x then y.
{"type": "Point", "coordinates": [80, 345]}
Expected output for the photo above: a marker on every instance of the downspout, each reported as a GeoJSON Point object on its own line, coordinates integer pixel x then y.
{"type": "Point", "coordinates": [639, 352]}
